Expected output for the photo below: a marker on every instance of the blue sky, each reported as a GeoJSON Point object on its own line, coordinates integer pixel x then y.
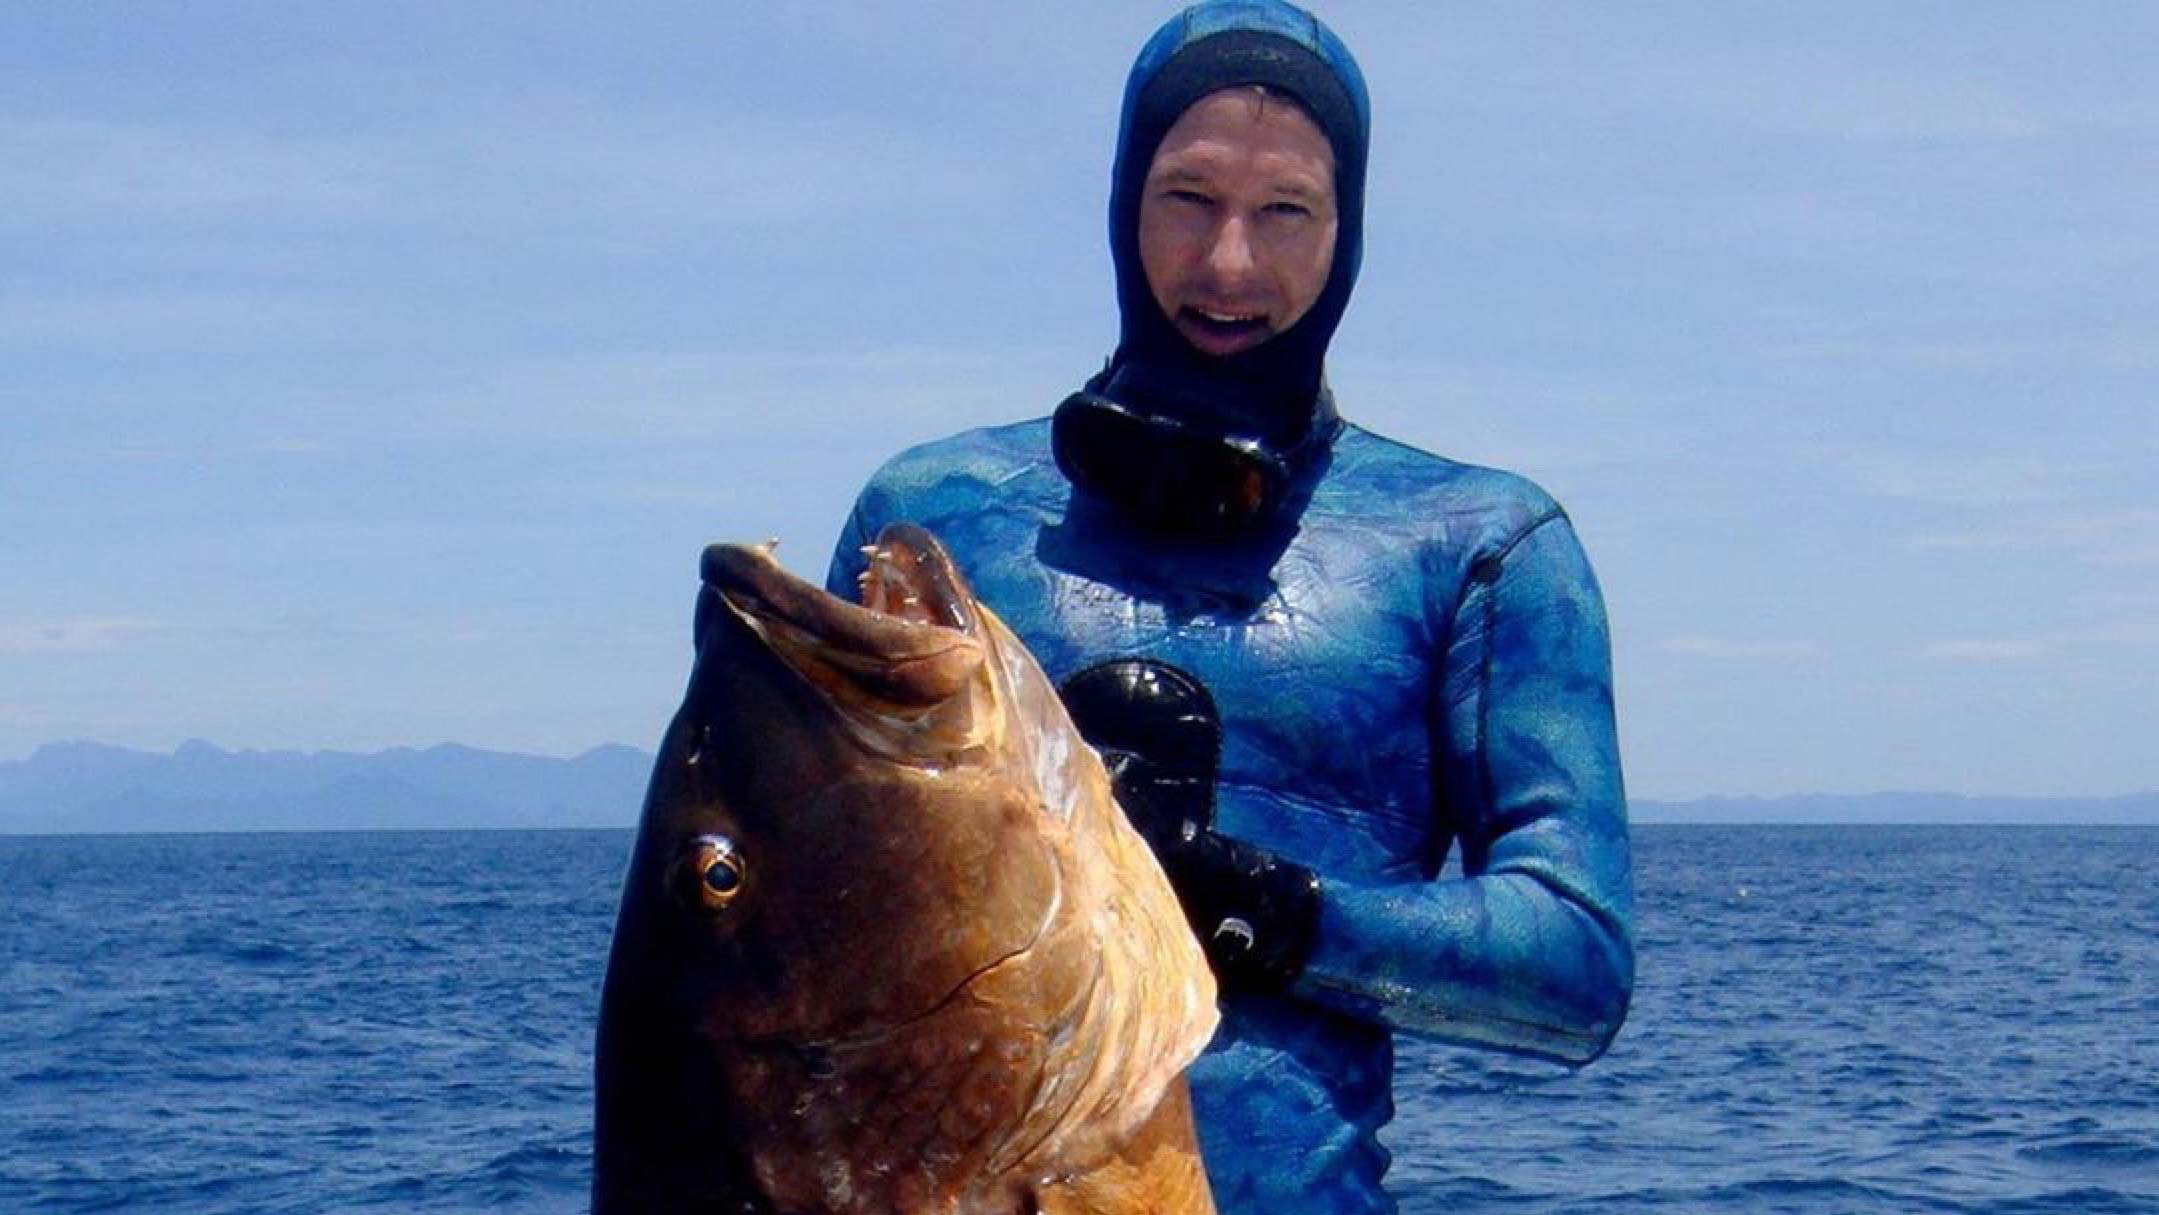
{"type": "Point", "coordinates": [375, 373]}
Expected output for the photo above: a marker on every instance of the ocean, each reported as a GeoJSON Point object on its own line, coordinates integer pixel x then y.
{"type": "Point", "coordinates": [1828, 1019]}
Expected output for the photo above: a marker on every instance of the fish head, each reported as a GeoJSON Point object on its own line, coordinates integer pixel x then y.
{"type": "Point", "coordinates": [843, 839]}
{"type": "Point", "coordinates": [882, 881]}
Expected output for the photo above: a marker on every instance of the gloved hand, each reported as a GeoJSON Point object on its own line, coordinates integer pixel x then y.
{"type": "Point", "coordinates": [1160, 735]}
{"type": "Point", "coordinates": [1161, 739]}
{"type": "Point", "coordinates": [1256, 914]}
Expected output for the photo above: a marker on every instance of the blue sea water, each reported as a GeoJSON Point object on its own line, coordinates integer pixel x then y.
{"type": "Point", "coordinates": [1829, 1019]}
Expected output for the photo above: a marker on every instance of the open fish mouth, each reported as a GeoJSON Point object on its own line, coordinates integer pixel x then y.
{"type": "Point", "coordinates": [906, 665]}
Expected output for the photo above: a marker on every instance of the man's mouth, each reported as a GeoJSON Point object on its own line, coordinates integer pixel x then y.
{"type": "Point", "coordinates": [1212, 328]}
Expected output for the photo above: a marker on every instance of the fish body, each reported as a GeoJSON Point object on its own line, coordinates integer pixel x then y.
{"type": "Point", "coordinates": [886, 943]}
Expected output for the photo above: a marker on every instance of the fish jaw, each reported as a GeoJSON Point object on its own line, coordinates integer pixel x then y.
{"type": "Point", "coordinates": [906, 670]}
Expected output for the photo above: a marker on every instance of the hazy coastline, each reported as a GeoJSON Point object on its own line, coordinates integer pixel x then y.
{"type": "Point", "coordinates": [86, 787]}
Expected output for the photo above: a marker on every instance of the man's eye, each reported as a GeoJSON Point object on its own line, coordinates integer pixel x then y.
{"type": "Point", "coordinates": [1289, 210]}
{"type": "Point", "coordinates": [1189, 197]}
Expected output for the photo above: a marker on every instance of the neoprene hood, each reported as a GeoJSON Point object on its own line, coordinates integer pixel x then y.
{"type": "Point", "coordinates": [1271, 392]}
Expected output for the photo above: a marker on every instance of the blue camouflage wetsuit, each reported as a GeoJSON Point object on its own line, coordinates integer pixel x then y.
{"type": "Point", "coordinates": [1423, 666]}
{"type": "Point", "coordinates": [1409, 658]}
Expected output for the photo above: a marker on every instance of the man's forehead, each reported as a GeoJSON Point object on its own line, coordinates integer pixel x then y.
{"type": "Point", "coordinates": [1260, 104]}
{"type": "Point", "coordinates": [1241, 126]}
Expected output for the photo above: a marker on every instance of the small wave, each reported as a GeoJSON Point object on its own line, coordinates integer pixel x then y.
{"type": "Point", "coordinates": [58, 1074]}
{"type": "Point", "coordinates": [534, 1169]}
{"type": "Point", "coordinates": [533, 1156]}
{"type": "Point", "coordinates": [411, 945]}
{"type": "Point", "coordinates": [261, 953]}
{"type": "Point", "coordinates": [2082, 1200]}
{"type": "Point", "coordinates": [1833, 1189]}
{"type": "Point", "coordinates": [233, 945]}
{"type": "Point", "coordinates": [470, 903]}
{"type": "Point", "coordinates": [1794, 1194]}
{"type": "Point", "coordinates": [2101, 1150]}
{"type": "Point", "coordinates": [1435, 1189]}
{"type": "Point", "coordinates": [405, 1191]}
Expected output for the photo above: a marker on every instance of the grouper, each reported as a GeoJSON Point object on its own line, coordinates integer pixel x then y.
{"type": "Point", "coordinates": [886, 942]}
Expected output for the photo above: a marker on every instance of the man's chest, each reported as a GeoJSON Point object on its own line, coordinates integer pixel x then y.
{"type": "Point", "coordinates": [1321, 662]}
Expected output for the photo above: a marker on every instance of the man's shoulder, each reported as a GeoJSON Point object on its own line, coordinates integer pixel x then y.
{"type": "Point", "coordinates": [960, 470]}
{"type": "Point", "coordinates": [992, 452]}
{"type": "Point", "coordinates": [1379, 470]}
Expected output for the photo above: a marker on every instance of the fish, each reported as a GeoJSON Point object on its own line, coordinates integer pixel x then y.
{"type": "Point", "coordinates": [886, 942]}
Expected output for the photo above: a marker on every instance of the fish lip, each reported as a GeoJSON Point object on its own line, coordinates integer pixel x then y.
{"type": "Point", "coordinates": [754, 580]}
{"type": "Point", "coordinates": [898, 659]}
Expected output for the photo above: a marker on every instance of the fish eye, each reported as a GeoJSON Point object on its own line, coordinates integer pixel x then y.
{"type": "Point", "coordinates": [715, 871]}
{"type": "Point", "coordinates": [722, 878]}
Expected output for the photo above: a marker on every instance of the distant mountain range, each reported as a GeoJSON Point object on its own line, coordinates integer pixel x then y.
{"type": "Point", "coordinates": [2135, 809]}
{"type": "Point", "coordinates": [89, 787]}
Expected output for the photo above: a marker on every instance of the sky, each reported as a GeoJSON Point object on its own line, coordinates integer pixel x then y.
{"type": "Point", "coordinates": [374, 374]}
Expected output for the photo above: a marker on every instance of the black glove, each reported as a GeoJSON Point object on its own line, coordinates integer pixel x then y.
{"type": "Point", "coordinates": [1160, 735]}
{"type": "Point", "coordinates": [1256, 914]}
{"type": "Point", "coordinates": [1161, 739]}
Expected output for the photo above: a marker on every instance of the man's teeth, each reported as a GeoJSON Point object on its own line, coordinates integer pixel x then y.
{"type": "Point", "coordinates": [1227, 318]}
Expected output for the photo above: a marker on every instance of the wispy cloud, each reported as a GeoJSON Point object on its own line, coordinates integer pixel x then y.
{"type": "Point", "coordinates": [93, 635]}
{"type": "Point", "coordinates": [1879, 109]}
{"type": "Point", "coordinates": [82, 635]}
{"type": "Point", "coordinates": [720, 173]}
{"type": "Point", "coordinates": [2118, 537]}
{"type": "Point", "coordinates": [1976, 353]}
{"type": "Point", "coordinates": [75, 168]}
{"type": "Point", "coordinates": [2067, 500]}
{"type": "Point", "coordinates": [2021, 649]}
{"type": "Point", "coordinates": [2134, 632]}
{"type": "Point", "coordinates": [800, 399]}
{"type": "Point", "coordinates": [291, 445]}
{"type": "Point", "coordinates": [1797, 90]}
{"type": "Point", "coordinates": [25, 715]}
{"type": "Point", "coordinates": [1960, 478]}
{"type": "Point", "coordinates": [1505, 417]}
{"type": "Point", "coordinates": [707, 495]}
{"type": "Point", "coordinates": [1747, 649]}
{"type": "Point", "coordinates": [193, 320]}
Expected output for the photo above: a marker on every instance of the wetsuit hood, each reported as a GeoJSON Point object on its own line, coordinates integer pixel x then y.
{"type": "Point", "coordinates": [1271, 393]}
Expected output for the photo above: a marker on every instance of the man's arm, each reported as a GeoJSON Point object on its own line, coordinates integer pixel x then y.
{"type": "Point", "coordinates": [1532, 951]}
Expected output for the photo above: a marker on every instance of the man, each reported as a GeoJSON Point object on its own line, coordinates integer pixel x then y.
{"type": "Point", "coordinates": [1316, 660]}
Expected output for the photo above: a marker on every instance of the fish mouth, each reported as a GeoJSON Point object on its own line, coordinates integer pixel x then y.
{"type": "Point", "coordinates": [912, 651]}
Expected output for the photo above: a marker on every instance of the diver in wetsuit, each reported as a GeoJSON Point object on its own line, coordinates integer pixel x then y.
{"type": "Point", "coordinates": [1316, 660]}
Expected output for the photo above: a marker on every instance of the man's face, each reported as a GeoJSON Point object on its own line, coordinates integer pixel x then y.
{"type": "Point", "coordinates": [1237, 219]}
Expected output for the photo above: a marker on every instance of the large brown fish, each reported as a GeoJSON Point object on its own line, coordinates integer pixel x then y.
{"type": "Point", "coordinates": [886, 943]}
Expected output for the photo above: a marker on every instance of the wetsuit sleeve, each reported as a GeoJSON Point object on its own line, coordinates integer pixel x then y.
{"type": "Point", "coordinates": [1531, 949]}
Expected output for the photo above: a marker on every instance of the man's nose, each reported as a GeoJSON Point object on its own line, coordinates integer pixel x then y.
{"type": "Point", "coordinates": [1230, 257]}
